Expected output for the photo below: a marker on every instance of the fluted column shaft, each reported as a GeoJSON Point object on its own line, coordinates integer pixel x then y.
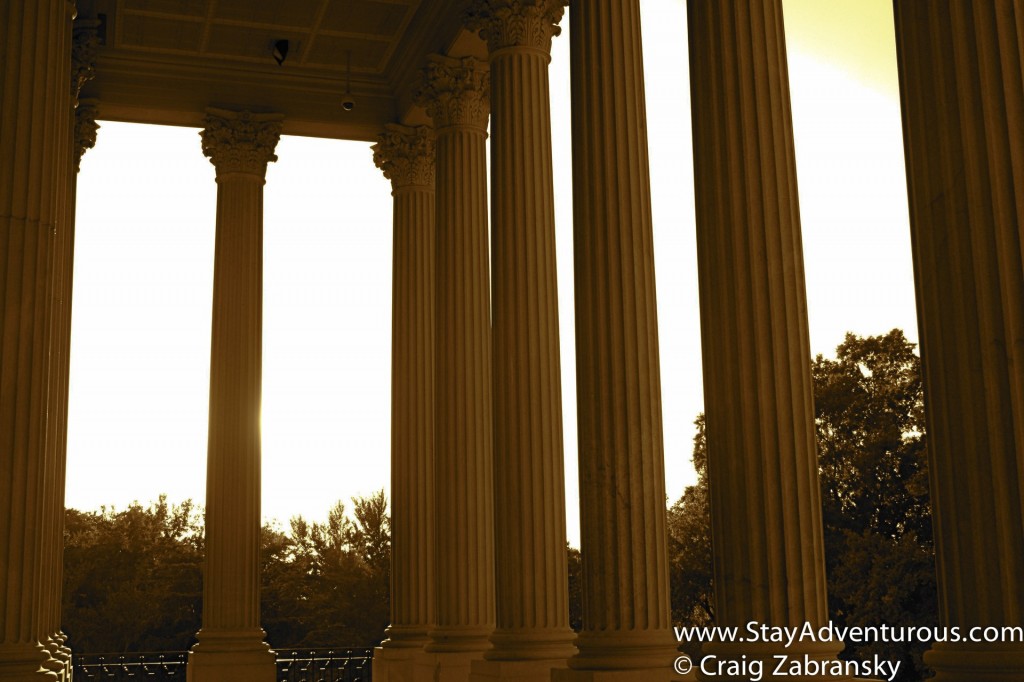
{"type": "Point", "coordinates": [455, 95]}
{"type": "Point", "coordinates": [35, 156]}
{"type": "Point", "coordinates": [769, 561]}
{"type": "Point", "coordinates": [626, 624]}
{"type": "Point", "coordinates": [81, 127]}
{"type": "Point", "coordinates": [412, 430]}
{"type": "Point", "coordinates": [231, 640]}
{"type": "Point", "coordinates": [962, 90]}
{"type": "Point", "coordinates": [406, 155]}
{"type": "Point", "coordinates": [529, 482]}
{"type": "Point", "coordinates": [465, 551]}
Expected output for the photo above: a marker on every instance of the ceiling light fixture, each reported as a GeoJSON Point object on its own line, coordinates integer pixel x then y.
{"type": "Point", "coordinates": [348, 102]}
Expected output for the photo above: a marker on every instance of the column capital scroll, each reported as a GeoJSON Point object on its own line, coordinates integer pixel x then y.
{"type": "Point", "coordinates": [85, 130]}
{"type": "Point", "coordinates": [240, 142]}
{"type": "Point", "coordinates": [455, 92]}
{"type": "Point", "coordinates": [406, 156]}
{"type": "Point", "coordinates": [516, 23]}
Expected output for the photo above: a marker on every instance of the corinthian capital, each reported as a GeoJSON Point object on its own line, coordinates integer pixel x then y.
{"type": "Point", "coordinates": [455, 92]}
{"type": "Point", "coordinates": [85, 130]}
{"type": "Point", "coordinates": [516, 23]}
{"type": "Point", "coordinates": [240, 142]}
{"type": "Point", "coordinates": [406, 155]}
{"type": "Point", "coordinates": [83, 54]}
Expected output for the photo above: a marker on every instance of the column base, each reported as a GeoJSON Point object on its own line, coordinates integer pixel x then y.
{"type": "Point", "coordinates": [231, 656]}
{"type": "Point", "coordinates": [515, 671]}
{"type": "Point", "coordinates": [525, 654]}
{"type": "Point", "coordinates": [532, 644]}
{"type": "Point", "coordinates": [57, 667]}
{"type": "Point", "coordinates": [25, 663]}
{"type": "Point", "coordinates": [448, 666]}
{"type": "Point", "coordinates": [64, 653]}
{"type": "Point", "coordinates": [60, 656]}
{"type": "Point", "coordinates": [979, 663]}
{"type": "Point", "coordinates": [405, 637]}
{"type": "Point", "coordinates": [626, 654]}
{"type": "Point", "coordinates": [395, 664]}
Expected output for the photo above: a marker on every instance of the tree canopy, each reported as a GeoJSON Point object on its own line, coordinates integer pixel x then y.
{"type": "Point", "coordinates": [869, 419]}
{"type": "Point", "coordinates": [133, 578]}
{"type": "Point", "coordinates": [329, 584]}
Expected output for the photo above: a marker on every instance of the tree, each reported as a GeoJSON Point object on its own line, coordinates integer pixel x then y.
{"type": "Point", "coordinates": [574, 561]}
{"type": "Point", "coordinates": [689, 543]}
{"type": "Point", "coordinates": [869, 414]}
{"type": "Point", "coordinates": [132, 579]}
{"type": "Point", "coordinates": [369, 539]}
{"type": "Point", "coordinates": [869, 419]}
{"type": "Point", "coordinates": [286, 590]}
{"type": "Point", "coordinates": [328, 584]}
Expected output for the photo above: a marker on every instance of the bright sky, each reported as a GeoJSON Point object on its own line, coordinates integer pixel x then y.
{"type": "Point", "coordinates": [144, 258]}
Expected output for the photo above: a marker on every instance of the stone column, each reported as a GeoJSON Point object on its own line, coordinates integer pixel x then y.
{"type": "Point", "coordinates": [962, 92]}
{"type": "Point", "coordinates": [627, 631]}
{"type": "Point", "coordinates": [533, 634]}
{"type": "Point", "coordinates": [231, 646]}
{"type": "Point", "coordinates": [83, 138]}
{"type": "Point", "coordinates": [82, 57]}
{"type": "Point", "coordinates": [35, 156]}
{"type": "Point", "coordinates": [406, 155]}
{"type": "Point", "coordinates": [455, 95]}
{"type": "Point", "coordinates": [82, 127]}
{"type": "Point", "coordinates": [769, 560]}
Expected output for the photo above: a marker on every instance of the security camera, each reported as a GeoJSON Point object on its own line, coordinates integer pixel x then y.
{"type": "Point", "coordinates": [348, 103]}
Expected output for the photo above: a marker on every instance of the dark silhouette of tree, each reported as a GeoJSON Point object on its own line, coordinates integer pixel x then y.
{"type": "Point", "coordinates": [689, 530]}
{"type": "Point", "coordinates": [369, 539]}
{"type": "Point", "coordinates": [328, 584]}
{"type": "Point", "coordinates": [880, 560]}
{"type": "Point", "coordinates": [133, 579]}
{"type": "Point", "coordinates": [575, 566]}
{"type": "Point", "coordinates": [869, 419]}
{"type": "Point", "coordinates": [286, 591]}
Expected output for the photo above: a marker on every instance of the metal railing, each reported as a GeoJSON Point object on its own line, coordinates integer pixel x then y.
{"type": "Point", "coordinates": [324, 665]}
{"type": "Point", "coordinates": [293, 665]}
{"type": "Point", "coordinates": [161, 666]}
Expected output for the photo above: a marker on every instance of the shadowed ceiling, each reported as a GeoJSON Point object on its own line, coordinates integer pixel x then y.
{"type": "Point", "coordinates": [165, 61]}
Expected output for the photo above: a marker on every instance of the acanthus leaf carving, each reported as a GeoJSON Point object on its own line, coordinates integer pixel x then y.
{"type": "Point", "coordinates": [240, 142]}
{"type": "Point", "coordinates": [455, 92]}
{"type": "Point", "coordinates": [84, 44]}
{"type": "Point", "coordinates": [406, 156]}
{"type": "Point", "coordinates": [516, 23]}
{"type": "Point", "coordinates": [85, 131]}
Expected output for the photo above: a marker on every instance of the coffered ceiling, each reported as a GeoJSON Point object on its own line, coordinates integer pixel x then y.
{"type": "Point", "coordinates": [165, 61]}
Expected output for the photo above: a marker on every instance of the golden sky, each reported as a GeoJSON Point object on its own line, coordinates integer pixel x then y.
{"type": "Point", "coordinates": [854, 35]}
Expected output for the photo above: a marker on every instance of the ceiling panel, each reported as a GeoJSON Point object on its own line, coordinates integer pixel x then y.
{"type": "Point", "coordinates": [367, 17]}
{"type": "Point", "coordinates": [274, 12]}
{"type": "Point", "coordinates": [194, 8]}
{"type": "Point", "coordinates": [332, 52]}
{"type": "Point", "coordinates": [161, 34]}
